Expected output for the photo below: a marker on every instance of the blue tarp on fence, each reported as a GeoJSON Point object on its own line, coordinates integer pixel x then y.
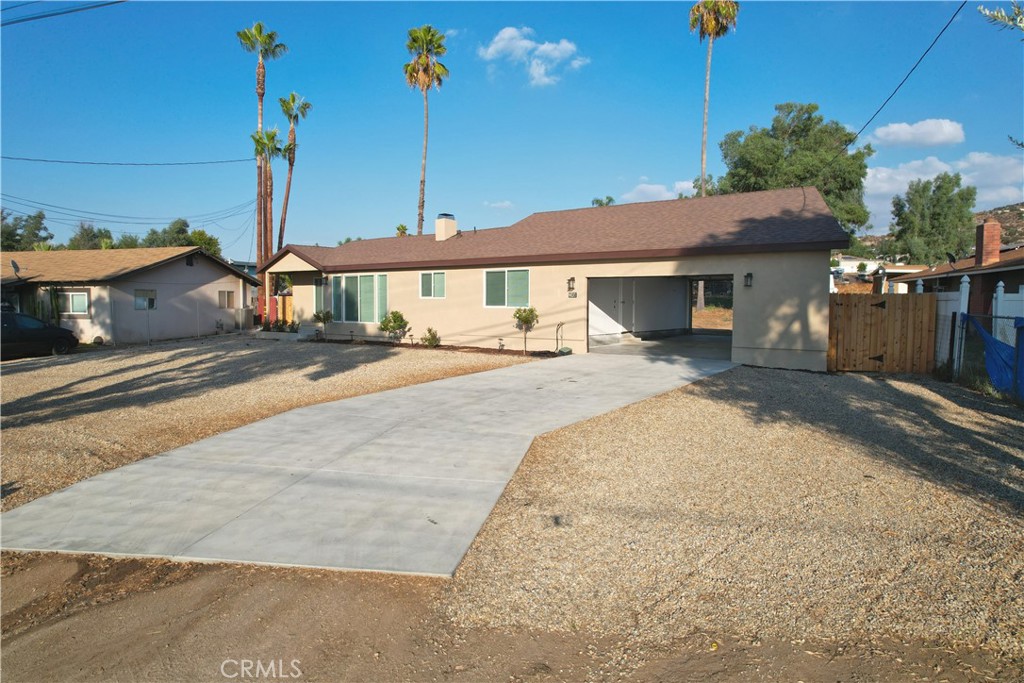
{"type": "Point", "coordinates": [1002, 361]}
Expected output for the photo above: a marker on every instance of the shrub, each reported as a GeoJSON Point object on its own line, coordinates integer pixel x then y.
{"type": "Point", "coordinates": [526, 319]}
{"type": "Point", "coordinates": [862, 267]}
{"type": "Point", "coordinates": [395, 326]}
{"type": "Point", "coordinates": [431, 338]}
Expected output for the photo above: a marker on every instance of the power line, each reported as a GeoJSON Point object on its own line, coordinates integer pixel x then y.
{"type": "Point", "coordinates": [57, 13]}
{"type": "Point", "coordinates": [128, 163]}
{"type": "Point", "coordinates": [20, 4]}
{"type": "Point", "coordinates": [893, 93]}
{"type": "Point", "coordinates": [209, 216]}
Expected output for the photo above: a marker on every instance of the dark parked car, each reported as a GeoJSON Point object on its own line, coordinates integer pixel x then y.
{"type": "Point", "coordinates": [24, 335]}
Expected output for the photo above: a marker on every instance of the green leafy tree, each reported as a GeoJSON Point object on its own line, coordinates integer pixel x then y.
{"type": "Point", "coordinates": [401, 230]}
{"type": "Point", "coordinates": [174, 235]}
{"type": "Point", "coordinates": [712, 19]}
{"type": "Point", "coordinates": [607, 201]}
{"type": "Point", "coordinates": [87, 236]}
{"type": "Point", "coordinates": [294, 108]}
{"type": "Point", "coordinates": [423, 72]}
{"type": "Point", "coordinates": [205, 241]}
{"type": "Point", "coordinates": [525, 319]}
{"type": "Point", "coordinates": [934, 218]}
{"type": "Point", "coordinates": [800, 149]}
{"type": "Point", "coordinates": [128, 241]}
{"type": "Point", "coordinates": [23, 233]}
{"type": "Point", "coordinates": [264, 43]}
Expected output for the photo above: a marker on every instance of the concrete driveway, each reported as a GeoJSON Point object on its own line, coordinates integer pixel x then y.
{"type": "Point", "coordinates": [398, 481]}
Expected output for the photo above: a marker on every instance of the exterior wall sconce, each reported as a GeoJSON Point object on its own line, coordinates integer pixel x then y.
{"type": "Point", "coordinates": [571, 283]}
{"type": "Point", "coordinates": [748, 280]}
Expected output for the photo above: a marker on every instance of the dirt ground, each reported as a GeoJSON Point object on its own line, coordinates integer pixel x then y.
{"type": "Point", "coordinates": [712, 318]}
{"type": "Point", "coordinates": [905, 508]}
{"type": "Point", "coordinates": [91, 618]}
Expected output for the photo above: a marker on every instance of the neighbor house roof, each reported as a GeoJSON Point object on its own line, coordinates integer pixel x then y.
{"type": "Point", "coordinates": [1009, 259]}
{"type": "Point", "coordinates": [772, 221]}
{"type": "Point", "coordinates": [94, 265]}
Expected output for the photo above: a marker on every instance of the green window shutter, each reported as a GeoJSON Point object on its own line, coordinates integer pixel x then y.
{"type": "Point", "coordinates": [439, 285]}
{"type": "Point", "coordinates": [366, 299]}
{"type": "Point", "coordinates": [494, 288]}
{"type": "Point", "coordinates": [426, 290]}
{"type": "Point", "coordinates": [382, 297]}
{"type": "Point", "coordinates": [519, 288]}
{"type": "Point", "coordinates": [351, 298]}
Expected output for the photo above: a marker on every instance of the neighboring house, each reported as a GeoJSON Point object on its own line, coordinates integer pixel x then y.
{"type": "Point", "coordinates": [992, 263]}
{"type": "Point", "coordinates": [251, 291]}
{"type": "Point", "coordinates": [594, 275]}
{"type": "Point", "coordinates": [883, 277]}
{"type": "Point", "coordinates": [129, 295]}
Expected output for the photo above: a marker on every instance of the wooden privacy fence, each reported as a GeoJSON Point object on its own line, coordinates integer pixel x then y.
{"type": "Point", "coordinates": [881, 332]}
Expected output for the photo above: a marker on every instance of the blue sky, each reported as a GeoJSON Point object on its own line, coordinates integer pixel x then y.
{"type": "Point", "coordinates": [548, 106]}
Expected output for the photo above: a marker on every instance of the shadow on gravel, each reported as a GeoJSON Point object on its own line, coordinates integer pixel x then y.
{"type": "Point", "coordinates": [194, 370]}
{"type": "Point", "coordinates": [983, 460]}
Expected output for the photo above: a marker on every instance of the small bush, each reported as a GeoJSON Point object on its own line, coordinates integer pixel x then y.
{"type": "Point", "coordinates": [431, 338]}
{"type": "Point", "coordinates": [526, 319]}
{"type": "Point", "coordinates": [395, 326]}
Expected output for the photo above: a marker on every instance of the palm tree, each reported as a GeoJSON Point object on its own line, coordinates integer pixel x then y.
{"type": "Point", "coordinates": [264, 44]}
{"type": "Point", "coordinates": [711, 19]}
{"type": "Point", "coordinates": [294, 108]}
{"type": "Point", "coordinates": [268, 148]}
{"type": "Point", "coordinates": [425, 44]}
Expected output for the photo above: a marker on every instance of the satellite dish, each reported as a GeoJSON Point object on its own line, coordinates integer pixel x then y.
{"type": "Point", "coordinates": [17, 270]}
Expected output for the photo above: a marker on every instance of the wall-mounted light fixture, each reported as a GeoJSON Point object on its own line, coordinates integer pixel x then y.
{"type": "Point", "coordinates": [748, 280]}
{"type": "Point", "coordinates": [571, 284]}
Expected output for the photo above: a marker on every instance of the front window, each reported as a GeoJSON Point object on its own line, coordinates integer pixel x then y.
{"type": "Point", "coordinates": [360, 298]}
{"type": "Point", "coordinates": [509, 288]}
{"type": "Point", "coordinates": [73, 303]}
{"type": "Point", "coordinates": [225, 299]}
{"type": "Point", "coordinates": [432, 285]}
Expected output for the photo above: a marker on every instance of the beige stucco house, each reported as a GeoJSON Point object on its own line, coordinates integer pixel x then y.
{"type": "Point", "coordinates": [593, 275]}
{"type": "Point", "coordinates": [129, 295]}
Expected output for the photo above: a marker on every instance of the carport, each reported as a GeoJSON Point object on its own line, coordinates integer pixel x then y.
{"type": "Point", "coordinates": [651, 315]}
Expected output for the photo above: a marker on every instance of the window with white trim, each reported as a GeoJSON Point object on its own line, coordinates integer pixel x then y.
{"type": "Point", "coordinates": [73, 303]}
{"type": "Point", "coordinates": [432, 285]}
{"type": "Point", "coordinates": [507, 288]}
{"type": "Point", "coordinates": [359, 298]}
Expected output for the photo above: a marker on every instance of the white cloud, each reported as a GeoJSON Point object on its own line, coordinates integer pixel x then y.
{"type": "Point", "coordinates": [542, 60]}
{"type": "Point", "coordinates": [999, 179]}
{"type": "Point", "coordinates": [921, 134]}
{"type": "Point", "coordinates": [652, 192]}
{"type": "Point", "coordinates": [504, 204]}
{"type": "Point", "coordinates": [452, 32]}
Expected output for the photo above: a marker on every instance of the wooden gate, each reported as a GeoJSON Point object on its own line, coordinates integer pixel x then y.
{"type": "Point", "coordinates": [881, 332]}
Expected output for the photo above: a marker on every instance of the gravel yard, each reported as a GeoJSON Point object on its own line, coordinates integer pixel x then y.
{"type": "Point", "coordinates": [758, 525]}
{"type": "Point", "coordinates": [765, 503]}
{"type": "Point", "coordinates": [67, 418]}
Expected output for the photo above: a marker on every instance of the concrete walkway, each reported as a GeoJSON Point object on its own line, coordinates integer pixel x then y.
{"type": "Point", "coordinates": [398, 481]}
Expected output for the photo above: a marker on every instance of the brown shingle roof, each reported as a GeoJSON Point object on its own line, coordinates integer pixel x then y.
{"type": "Point", "coordinates": [778, 220]}
{"type": "Point", "coordinates": [1010, 258]}
{"type": "Point", "coordinates": [92, 265]}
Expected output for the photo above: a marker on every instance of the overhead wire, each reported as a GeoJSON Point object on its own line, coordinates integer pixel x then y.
{"type": "Point", "coordinates": [49, 14]}
{"type": "Point", "coordinates": [896, 90]}
{"type": "Point", "coordinates": [219, 214]}
{"type": "Point", "coordinates": [128, 163]}
{"type": "Point", "coordinates": [20, 4]}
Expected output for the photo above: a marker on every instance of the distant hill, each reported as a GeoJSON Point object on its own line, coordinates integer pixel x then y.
{"type": "Point", "coordinates": [1012, 218]}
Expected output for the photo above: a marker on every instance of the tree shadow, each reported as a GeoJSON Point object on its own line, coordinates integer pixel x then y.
{"type": "Point", "coordinates": [190, 371]}
{"type": "Point", "coordinates": [942, 433]}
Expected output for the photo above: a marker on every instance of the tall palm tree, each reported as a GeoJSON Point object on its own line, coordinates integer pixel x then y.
{"type": "Point", "coordinates": [423, 71]}
{"type": "Point", "coordinates": [712, 19]}
{"type": "Point", "coordinates": [268, 147]}
{"type": "Point", "coordinates": [264, 44]}
{"type": "Point", "coordinates": [294, 108]}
